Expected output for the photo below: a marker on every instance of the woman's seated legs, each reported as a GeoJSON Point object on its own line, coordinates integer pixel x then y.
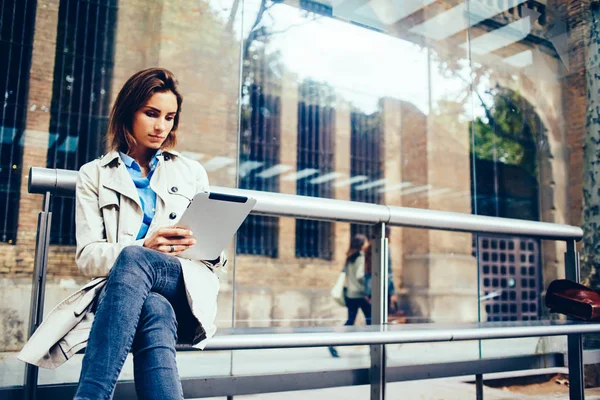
{"type": "Point", "coordinates": [136, 272]}
{"type": "Point", "coordinates": [154, 364]}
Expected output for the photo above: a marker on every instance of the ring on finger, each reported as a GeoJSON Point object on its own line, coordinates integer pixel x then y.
{"type": "Point", "coordinates": [172, 248]}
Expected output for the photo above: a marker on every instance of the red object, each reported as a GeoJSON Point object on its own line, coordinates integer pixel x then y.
{"type": "Point", "coordinates": [573, 299]}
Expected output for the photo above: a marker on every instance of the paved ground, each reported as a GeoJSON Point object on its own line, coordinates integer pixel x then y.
{"type": "Point", "coordinates": [437, 389]}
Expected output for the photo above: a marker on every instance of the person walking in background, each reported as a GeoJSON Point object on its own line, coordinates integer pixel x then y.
{"type": "Point", "coordinates": [368, 275]}
{"type": "Point", "coordinates": [391, 287]}
{"type": "Point", "coordinates": [391, 298]}
{"type": "Point", "coordinates": [356, 295]}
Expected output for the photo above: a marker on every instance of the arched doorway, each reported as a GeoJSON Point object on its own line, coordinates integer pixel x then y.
{"type": "Point", "coordinates": [504, 183]}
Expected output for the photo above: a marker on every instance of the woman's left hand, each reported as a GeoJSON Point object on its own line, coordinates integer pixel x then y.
{"type": "Point", "coordinates": [170, 240]}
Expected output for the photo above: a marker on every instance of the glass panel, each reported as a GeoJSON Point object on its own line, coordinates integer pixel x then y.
{"type": "Point", "coordinates": [16, 42]}
{"type": "Point", "coordinates": [259, 147]}
{"type": "Point", "coordinates": [84, 60]}
{"type": "Point", "coordinates": [61, 93]}
{"type": "Point", "coordinates": [514, 144]}
{"type": "Point", "coordinates": [16, 45]}
{"type": "Point", "coordinates": [484, 107]}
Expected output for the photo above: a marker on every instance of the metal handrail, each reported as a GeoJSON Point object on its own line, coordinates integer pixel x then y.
{"type": "Point", "coordinates": [275, 338]}
{"type": "Point", "coordinates": [62, 182]}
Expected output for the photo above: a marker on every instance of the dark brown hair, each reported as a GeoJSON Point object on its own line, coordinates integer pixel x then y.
{"type": "Point", "coordinates": [368, 258]}
{"type": "Point", "coordinates": [133, 95]}
{"type": "Point", "coordinates": [356, 244]}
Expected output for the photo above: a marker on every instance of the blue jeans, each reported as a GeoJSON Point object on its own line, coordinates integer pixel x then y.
{"type": "Point", "coordinates": [143, 300]}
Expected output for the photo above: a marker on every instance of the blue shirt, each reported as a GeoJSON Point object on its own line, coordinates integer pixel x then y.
{"type": "Point", "coordinates": [142, 183]}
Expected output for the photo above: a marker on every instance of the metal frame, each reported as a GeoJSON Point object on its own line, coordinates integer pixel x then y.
{"type": "Point", "coordinates": [38, 290]}
{"type": "Point", "coordinates": [379, 311]}
{"type": "Point", "coordinates": [215, 386]}
{"type": "Point", "coordinates": [63, 182]}
{"type": "Point", "coordinates": [574, 341]}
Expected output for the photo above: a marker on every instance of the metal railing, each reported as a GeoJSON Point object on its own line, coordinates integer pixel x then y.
{"type": "Point", "coordinates": [62, 183]}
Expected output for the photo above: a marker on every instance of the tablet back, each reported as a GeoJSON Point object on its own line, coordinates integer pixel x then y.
{"type": "Point", "coordinates": [213, 218]}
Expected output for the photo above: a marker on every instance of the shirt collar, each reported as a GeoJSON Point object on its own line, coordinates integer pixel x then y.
{"type": "Point", "coordinates": [132, 164]}
{"type": "Point", "coordinates": [113, 154]}
{"type": "Point", "coordinates": [154, 160]}
{"type": "Point", "coordinates": [127, 160]}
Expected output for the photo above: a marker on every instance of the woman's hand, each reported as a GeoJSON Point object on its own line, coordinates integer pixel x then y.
{"type": "Point", "coordinates": [171, 240]}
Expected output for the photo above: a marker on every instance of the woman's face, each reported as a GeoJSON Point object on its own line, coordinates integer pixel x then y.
{"type": "Point", "coordinates": [153, 122]}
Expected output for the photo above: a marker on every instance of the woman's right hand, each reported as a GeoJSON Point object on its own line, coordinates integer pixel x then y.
{"type": "Point", "coordinates": [170, 240]}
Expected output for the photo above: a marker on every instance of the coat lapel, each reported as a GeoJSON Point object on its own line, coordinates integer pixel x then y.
{"type": "Point", "coordinates": [158, 183]}
{"type": "Point", "coordinates": [117, 178]}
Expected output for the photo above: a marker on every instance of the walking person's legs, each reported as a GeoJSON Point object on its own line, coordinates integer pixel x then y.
{"type": "Point", "coordinates": [353, 306]}
{"type": "Point", "coordinates": [352, 312]}
{"type": "Point", "coordinates": [136, 273]}
{"type": "Point", "coordinates": [365, 306]}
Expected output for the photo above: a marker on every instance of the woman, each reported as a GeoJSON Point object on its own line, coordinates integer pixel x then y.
{"type": "Point", "coordinates": [128, 203]}
{"type": "Point", "coordinates": [394, 313]}
{"type": "Point", "coordinates": [356, 294]}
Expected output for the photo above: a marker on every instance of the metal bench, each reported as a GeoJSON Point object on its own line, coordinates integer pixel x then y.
{"type": "Point", "coordinates": [62, 183]}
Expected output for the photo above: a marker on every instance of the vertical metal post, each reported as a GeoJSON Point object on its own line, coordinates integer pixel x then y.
{"type": "Point", "coordinates": [38, 290]}
{"type": "Point", "coordinates": [479, 386]}
{"type": "Point", "coordinates": [379, 311]}
{"type": "Point", "coordinates": [575, 342]}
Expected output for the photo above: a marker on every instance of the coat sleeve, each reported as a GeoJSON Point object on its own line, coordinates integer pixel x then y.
{"type": "Point", "coordinates": [94, 255]}
{"type": "Point", "coordinates": [203, 185]}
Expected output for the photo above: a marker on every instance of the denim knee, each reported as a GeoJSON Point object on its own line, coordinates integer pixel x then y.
{"type": "Point", "coordinates": [130, 260]}
{"type": "Point", "coordinates": [157, 310]}
{"type": "Point", "coordinates": [132, 253]}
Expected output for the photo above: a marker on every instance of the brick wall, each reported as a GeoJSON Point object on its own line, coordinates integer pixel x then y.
{"type": "Point", "coordinates": [36, 134]}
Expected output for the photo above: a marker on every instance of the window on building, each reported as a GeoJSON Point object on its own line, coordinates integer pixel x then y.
{"type": "Point", "coordinates": [365, 161]}
{"type": "Point", "coordinates": [259, 150]}
{"type": "Point", "coordinates": [16, 44]}
{"type": "Point", "coordinates": [80, 96]}
{"type": "Point", "coordinates": [315, 155]}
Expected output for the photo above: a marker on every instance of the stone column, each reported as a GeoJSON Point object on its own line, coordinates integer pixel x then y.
{"type": "Point", "coordinates": [288, 156]}
{"type": "Point", "coordinates": [342, 134]}
{"type": "Point", "coordinates": [439, 275]}
{"type": "Point", "coordinates": [391, 145]}
{"type": "Point", "coordinates": [452, 269]}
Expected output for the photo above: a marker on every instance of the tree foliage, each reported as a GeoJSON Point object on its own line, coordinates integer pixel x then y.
{"type": "Point", "coordinates": [508, 132]}
{"type": "Point", "coordinates": [590, 252]}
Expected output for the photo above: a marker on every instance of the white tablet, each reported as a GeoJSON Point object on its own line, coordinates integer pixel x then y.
{"type": "Point", "coordinates": [213, 218]}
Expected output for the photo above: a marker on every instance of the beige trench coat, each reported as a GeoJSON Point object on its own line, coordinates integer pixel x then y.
{"type": "Point", "coordinates": [109, 215]}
